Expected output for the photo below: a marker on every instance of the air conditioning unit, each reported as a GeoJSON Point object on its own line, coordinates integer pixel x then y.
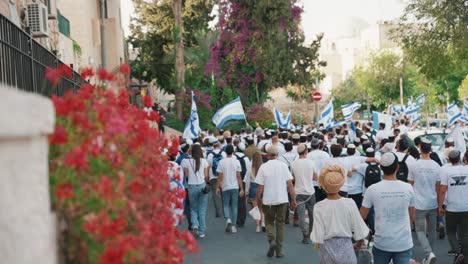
{"type": "Point", "coordinates": [37, 20]}
{"type": "Point", "coordinates": [51, 8]}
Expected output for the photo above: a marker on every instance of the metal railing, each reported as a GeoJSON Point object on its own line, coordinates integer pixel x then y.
{"type": "Point", "coordinates": [23, 62]}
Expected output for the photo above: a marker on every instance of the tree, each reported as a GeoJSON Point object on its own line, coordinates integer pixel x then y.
{"type": "Point", "coordinates": [434, 37]}
{"type": "Point", "coordinates": [377, 84]}
{"type": "Point", "coordinates": [155, 35]}
{"type": "Point", "coordinates": [179, 54]}
{"type": "Point", "coordinates": [260, 47]}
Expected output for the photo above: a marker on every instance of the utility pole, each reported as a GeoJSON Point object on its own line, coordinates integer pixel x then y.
{"type": "Point", "coordinates": [316, 104]}
{"type": "Point", "coordinates": [401, 91]}
{"type": "Point", "coordinates": [103, 33]}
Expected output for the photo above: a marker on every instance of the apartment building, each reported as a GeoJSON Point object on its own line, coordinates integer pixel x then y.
{"type": "Point", "coordinates": [72, 28]}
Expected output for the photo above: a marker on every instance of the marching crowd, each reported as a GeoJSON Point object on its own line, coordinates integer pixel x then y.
{"type": "Point", "coordinates": [343, 190]}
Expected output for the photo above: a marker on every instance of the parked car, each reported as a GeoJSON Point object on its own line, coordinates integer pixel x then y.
{"type": "Point", "coordinates": [436, 136]}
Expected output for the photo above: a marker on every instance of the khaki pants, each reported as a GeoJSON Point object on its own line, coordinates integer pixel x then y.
{"type": "Point", "coordinates": [274, 221]}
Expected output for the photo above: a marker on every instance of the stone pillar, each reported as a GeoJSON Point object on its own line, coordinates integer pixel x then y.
{"type": "Point", "coordinates": [27, 229]}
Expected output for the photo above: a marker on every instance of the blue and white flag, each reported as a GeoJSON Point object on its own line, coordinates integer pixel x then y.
{"type": "Point", "coordinates": [453, 113]}
{"type": "Point", "coordinates": [396, 109]}
{"type": "Point", "coordinates": [349, 109]}
{"type": "Point", "coordinates": [231, 111]}
{"type": "Point", "coordinates": [192, 127]}
{"type": "Point", "coordinates": [420, 100]}
{"type": "Point", "coordinates": [281, 120]}
{"type": "Point", "coordinates": [378, 118]}
{"type": "Point", "coordinates": [416, 118]}
{"type": "Point", "coordinates": [412, 110]}
{"type": "Point", "coordinates": [326, 117]}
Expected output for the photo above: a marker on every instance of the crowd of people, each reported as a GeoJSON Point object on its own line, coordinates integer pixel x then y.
{"type": "Point", "coordinates": [343, 190]}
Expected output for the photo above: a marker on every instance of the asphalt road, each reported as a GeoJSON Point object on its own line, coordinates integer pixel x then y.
{"type": "Point", "coordinates": [247, 247]}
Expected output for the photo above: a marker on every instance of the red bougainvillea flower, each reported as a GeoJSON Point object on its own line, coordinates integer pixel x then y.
{"type": "Point", "coordinates": [64, 191]}
{"type": "Point", "coordinates": [124, 69]}
{"type": "Point", "coordinates": [147, 102]}
{"type": "Point", "coordinates": [105, 75]}
{"type": "Point", "coordinates": [87, 72]}
{"type": "Point", "coordinates": [61, 106]}
{"type": "Point", "coordinates": [65, 71]}
{"type": "Point", "coordinates": [59, 137]}
{"type": "Point", "coordinates": [52, 75]}
{"type": "Point", "coordinates": [76, 158]}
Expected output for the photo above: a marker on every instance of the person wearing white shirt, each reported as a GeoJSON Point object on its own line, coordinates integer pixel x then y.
{"type": "Point", "coordinates": [347, 163]}
{"type": "Point", "coordinates": [288, 157]}
{"type": "Point", "coordinates": [424, 175]}
{"type": "Point", "coordinates": [230, 182]}
{"type": "Point", "coordinates": [196, 172]}
{"type": "Point", "coordinates": [245, 171]}
{"type": "Point", "coordinates": [336, 221]}
{"type": "Point", "coordinates": [403, 128]}
{"type": "Point", "coordinates": [318, 156]}
{"type": "Point", "coordinates": [273, 179]}
{"type": "Point", "coordinates": [393, 202]}
{"type": "Point", "coordinates": [211, 156]}
{"type": "Point", "coordinates": [381, 134]}
{"type": "Point", "coordinates": [454, 187]}
{"type": "Point", "coordinates": [304, 174]}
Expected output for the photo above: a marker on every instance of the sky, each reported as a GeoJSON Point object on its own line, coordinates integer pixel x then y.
{"type": "Point", "coordinates": [335, 18]}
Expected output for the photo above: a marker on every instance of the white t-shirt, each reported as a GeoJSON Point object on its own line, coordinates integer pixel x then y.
{"type": "Point", "coordinates": [337, 218]}
{"type": "Point", "coordinates": [209, 159]}
{"type": "Point", "coordinates": [381, 134]}
{"type": "Point", "coordinates": [318, 157]}
{"type": "Point", "coordinates": [391, 200]}
{"type": "Point", "coordinates": [303, 172]}
{"type": "Point", "coordinates": [425, 174]}
{"type": "Point", "coordinates": [288, 158]}
{"type": "Point", "coordinates": [403, 129]}
{"type": "Point", "coordinates": [274, 176]}
{"type": "Point", "coordinates": [197, 177]}
{"type": "Point", "coordinates": [347, 163]}
{"type": "Point", "coordinates": [456, 180]}
{"type": "Point", "coordinates": [229, 168]}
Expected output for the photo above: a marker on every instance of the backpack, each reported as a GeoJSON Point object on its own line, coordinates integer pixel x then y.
{"type": "Point", "coordinates": [243, 165]}
{"type": "Point", "coordinates": [217, 157]}
{"type": "Point", "coordinates": [402, 173]}
{"type": "Point", "coordinates": [435, 158]}
{"type": "Point", "coordinates": [373, 174]}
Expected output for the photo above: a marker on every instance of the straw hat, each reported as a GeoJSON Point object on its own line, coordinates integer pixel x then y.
{"type": "Point", "coordinates": [331, 178]}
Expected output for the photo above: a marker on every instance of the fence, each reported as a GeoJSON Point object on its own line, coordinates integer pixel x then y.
{"type": "Point", "coordinates": [23, 62]}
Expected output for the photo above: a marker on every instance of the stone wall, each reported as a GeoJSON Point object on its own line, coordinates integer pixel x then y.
{"type": "Point", "coordinates": [27, 228]}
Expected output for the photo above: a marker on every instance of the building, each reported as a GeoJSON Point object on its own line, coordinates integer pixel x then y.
{"type": "Point", "coordinates": [48, 26]}
{"type": "Point", "coordinates": [72, 28]}
{"type": "Point", "coordinates": [85, 19]}
{"type": "Point", "coordinates": [344, 53]}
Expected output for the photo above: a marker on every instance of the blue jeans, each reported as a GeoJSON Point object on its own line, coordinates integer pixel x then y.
{"type": "Point", "coordinates": [384, 257]}
{"type": "Point", "coordinates": [230, 197]}
{"type": "Point", "coordinates": [198, 206]}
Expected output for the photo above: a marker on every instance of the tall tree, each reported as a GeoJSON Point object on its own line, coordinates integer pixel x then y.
{"type": "Point", "coordinates": [434, 36]}
{"type": "Point", "coordinates": [155, 34]}
{"type": "Point", "coordinates": [260, 47]}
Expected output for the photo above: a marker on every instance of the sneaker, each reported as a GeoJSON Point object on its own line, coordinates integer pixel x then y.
{"type": "Point", "coordinates": [258, 229]}
{"type": "Point", "coordinates": [263, 229]}
{"type": "Point", "coordinates": [279, 255]}
{"type": "Point", "coordinates": [431, 259]}
{"type": "Point", "coordinates": [272, 249]}
{"type": "Point", "coordinates": [452, 252]}
{"type": "Point", "coordinates": [195, 231]}
{"type": "Point", "coordinates": [305, 240]}
{"type": "Point", "coordinates": [228, 226]}
{"type": "Point", "coordinates": [202, 236]}
{"type": "Point", "coordinates": [233, 230]}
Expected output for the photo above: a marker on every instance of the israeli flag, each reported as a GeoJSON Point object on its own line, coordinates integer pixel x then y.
{"type": "Point", "coordinates": [420, 100]}
{"type": "Point", "coordinates": [412, 110]}
{"type": "Point", "coordinates": [453, 113]}
{"type": "Point", "coordinates": [281, 120]}
{"type": "Point", "coordinates": [192, 127]}
{"type": "Point", "coordinates": [326, 117]}
{"type": "Point", "coordinates": [231, 111]}
{"type": "Point", "coordinates": [349, 109]}
{"type": "Point", "coordinates": [458, 138]}
{"type": "Point", "coordinates": [416, 118]}
{"type": "Point", "coordinates": [396, 109]}
{"type": "Point", "coordinates": [378, 118]}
